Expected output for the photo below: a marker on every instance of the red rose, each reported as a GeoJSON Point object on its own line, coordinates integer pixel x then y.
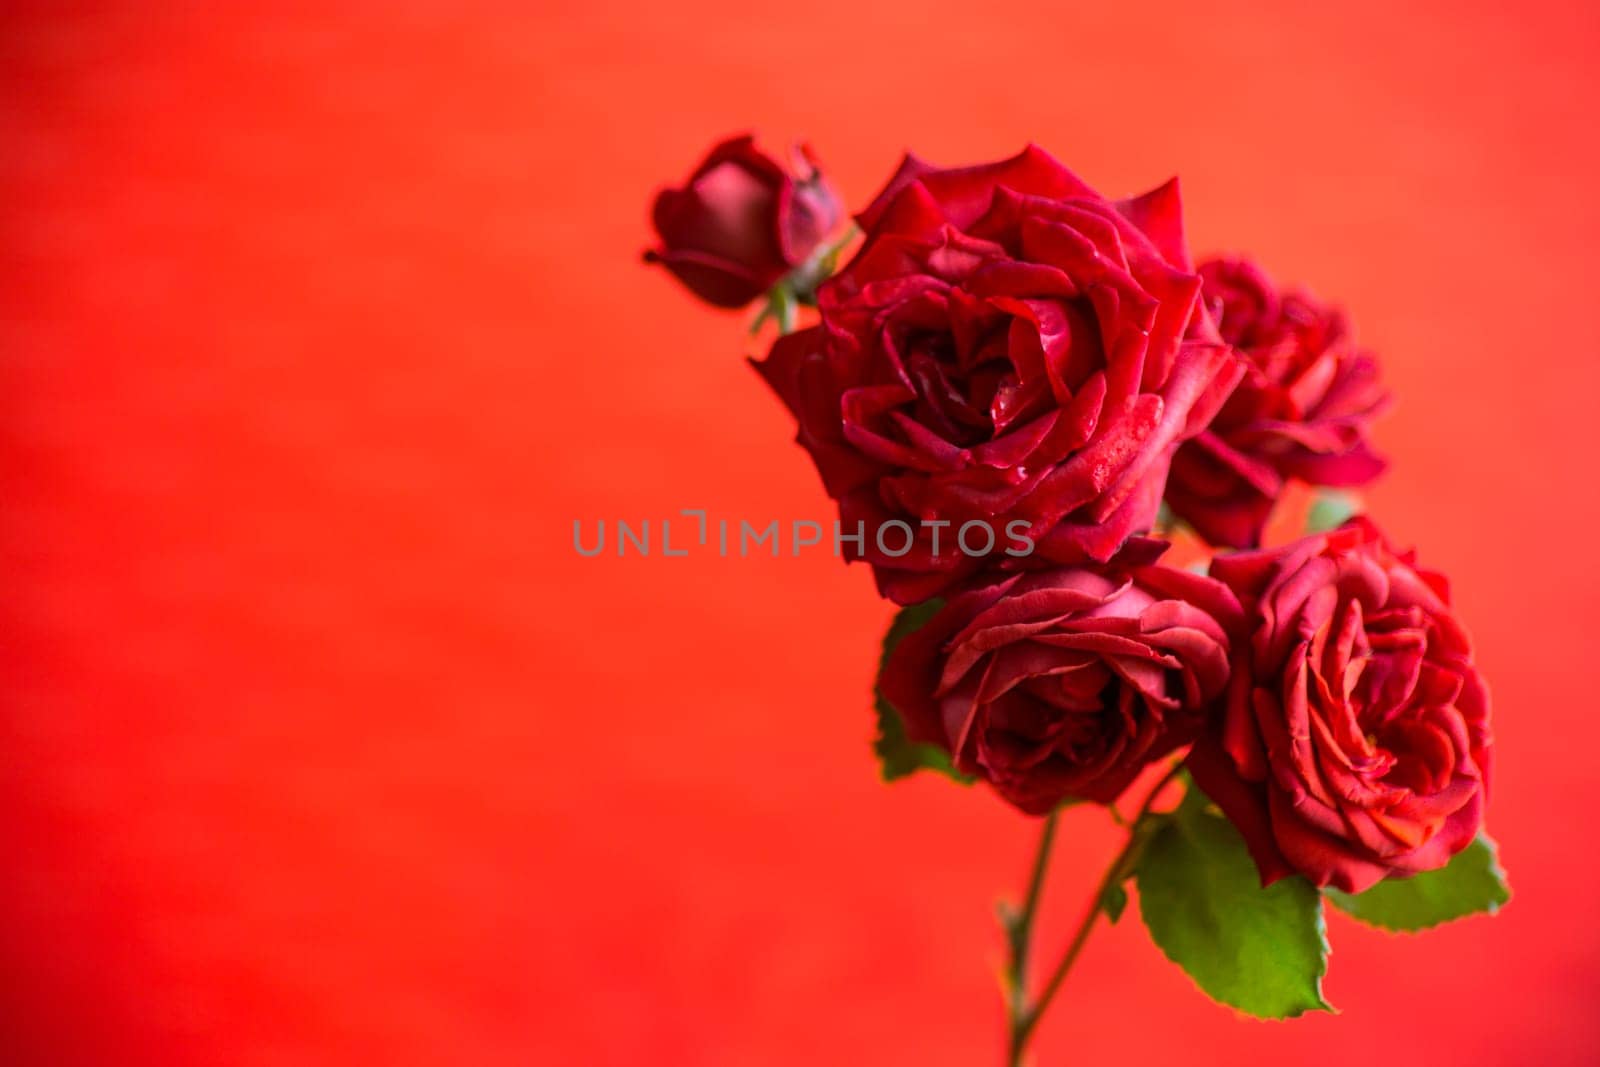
{"type": "Point", "coordinates": [1067, 682]}
{"type": "Point", "coordinates": [1301, 410]}
{"type": "Point", "coordinates": [742, 222]}
{"type": "Point", "coordinates": [1007, 345]}
{"type": "Point", "coordinates": [1355, 742]}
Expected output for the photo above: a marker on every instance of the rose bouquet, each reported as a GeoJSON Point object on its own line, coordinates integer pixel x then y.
{"type": "Point", "coordinates": [1017, 392]}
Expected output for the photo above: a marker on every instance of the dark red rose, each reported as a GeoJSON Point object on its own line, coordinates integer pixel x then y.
{"type": "Point", "coordinates": [1354, 744]}
{"type": "Point", "coordinates": [1066, 682]}
{"type": "Point", "coordinates": [1006, 345]}
{"type": "Point", "coordinates": [1301, 410]}
{"type": "Point", "coordinates": [742, 222]}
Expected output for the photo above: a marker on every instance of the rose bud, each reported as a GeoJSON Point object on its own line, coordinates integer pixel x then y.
{"type": "Point", "coordinates": [742, 222]}
{"type": "Point", "coordinates": [1301, 411]}
{"type": "Point", "coordinates": [1065, 683]}
{"type": "Point", "coordinates": [1006, 346]}
{"type": "Point", "coordinates": [1354, 744]}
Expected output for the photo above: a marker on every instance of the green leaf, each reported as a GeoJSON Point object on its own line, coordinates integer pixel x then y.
{"type": "Point", "coordinates": [1472, 882]}
{"type": "Point", "coordinates": [1262, 951]}
{"type": "Point", "coordinates": [1330, 509]}
{"type": "Point", "coordinates": [898, 754]}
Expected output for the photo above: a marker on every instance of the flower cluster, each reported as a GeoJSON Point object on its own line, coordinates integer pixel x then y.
{"type": "Point", "coordinates": [1008, 346]}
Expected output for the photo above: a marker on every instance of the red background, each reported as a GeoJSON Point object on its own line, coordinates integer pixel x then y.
{"type": "Point", "coordinates": [318, 329]}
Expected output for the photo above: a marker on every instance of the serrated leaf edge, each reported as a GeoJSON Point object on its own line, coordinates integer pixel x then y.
{"type": "Point", "coordinates": [1322, 1003]}
{"type": "Point", "coordinates": [1336, 897]}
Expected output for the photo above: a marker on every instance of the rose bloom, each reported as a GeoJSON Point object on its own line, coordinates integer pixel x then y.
{"type": "Point", "coordinates": [1006, 345]}
{"type": "Point", "coordinates": [1065, 683]}
{"type": "Point", "coordinates": [742, 222]}
{"type": "Point", "coordinates": [1354, 744]}
{"type": "Point", "coordinates": [1301, 411]}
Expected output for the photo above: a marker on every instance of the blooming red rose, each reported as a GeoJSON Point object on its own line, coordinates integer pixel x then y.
{"type": "Point", "coordinates": [1300, 411]}
{"type": "Point", "coordinates": [1354, 744]}
{"type": "Point", "coordinates": [742, 222]}
{"type": "Point", "coordinates": [1065, 682]}
{"type": "Point", "coordinates": [1006, 345]}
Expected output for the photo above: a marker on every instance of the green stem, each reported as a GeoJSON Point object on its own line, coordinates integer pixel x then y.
{"type": "Point", "coordinates": [784, 306]}
{"type": "Point", "coordinates": [1020, 929]}
{"type": "Point", "coordinates": [1024, 1017]}
{"type": "Point", "coordinates": [799, 286]}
